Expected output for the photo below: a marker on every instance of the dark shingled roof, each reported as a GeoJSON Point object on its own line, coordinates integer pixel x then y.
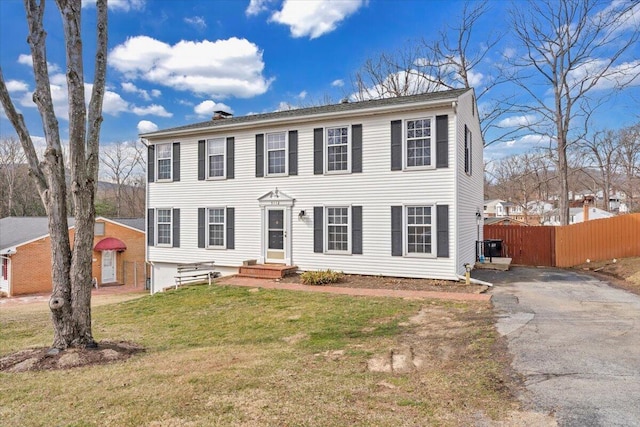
{"type": "Point", "coordinates": [301, 112]}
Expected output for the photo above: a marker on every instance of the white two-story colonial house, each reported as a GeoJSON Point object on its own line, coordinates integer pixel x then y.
{"type": "Point", "coordinates": [381, 187]}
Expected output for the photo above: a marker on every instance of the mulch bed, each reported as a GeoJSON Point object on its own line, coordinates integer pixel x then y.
{"type": "Point", "coordinates": [397, 283]}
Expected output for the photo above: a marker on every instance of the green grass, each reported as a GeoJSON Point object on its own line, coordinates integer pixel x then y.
{"type": "Point", "coordinates": [233, 356]}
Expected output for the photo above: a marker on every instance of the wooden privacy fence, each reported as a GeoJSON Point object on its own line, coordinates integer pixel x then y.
{"type": "Point", "coordinates": [569, 245]}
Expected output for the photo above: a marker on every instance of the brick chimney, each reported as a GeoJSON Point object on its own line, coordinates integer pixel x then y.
{"type": "Point", "coordinates": [217, 115]}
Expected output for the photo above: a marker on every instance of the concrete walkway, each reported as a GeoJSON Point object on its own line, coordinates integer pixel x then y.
{"type": "Point", "coordinates": [576, 340]}
{"type": "Point", "coordinates": [270, 284]}
{"type": "Point", "coordinates": [43, 298]}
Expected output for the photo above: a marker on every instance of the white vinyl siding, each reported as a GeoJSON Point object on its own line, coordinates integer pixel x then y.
{"type": "Point", "coordinates": [164, 154]}
{"type": "Point", "coordinates": [216, 227]}
{"type": "Point", "coordinates": [337, 149]}
{"type": "Point", "coordinates": [419, 143]}
{"type": "Point", "coordinates": [216, 158]}
{"type": "Point", "coordinates": [163, 227]}
{"type": "Point", "coordinates": [276, 153]}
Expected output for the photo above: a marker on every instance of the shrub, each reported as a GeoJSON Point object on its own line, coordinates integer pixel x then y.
{"type": "Point", "coordinates": [318, 278]}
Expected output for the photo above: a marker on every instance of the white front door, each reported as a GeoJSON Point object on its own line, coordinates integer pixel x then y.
{"type": "Point", "coordinates": [276, 235]}
{"type": "Point", "coordinates": [108, 266]}
{"type": "Point", "coordinates": [4, 275]}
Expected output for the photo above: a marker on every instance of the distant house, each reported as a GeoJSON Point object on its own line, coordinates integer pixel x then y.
{"type": "Point", "coordinates": [577, 215]}
{"type": "Point", "coordinates": [26, 255]}
{"type": "Point", "coordinates": [387, 186]}
{"type": "Point", "coordinates": [503, 221]}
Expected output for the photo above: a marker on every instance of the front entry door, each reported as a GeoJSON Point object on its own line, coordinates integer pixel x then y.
{"type": "Point", "coordinates": [276, 235]}
{"type": "Point", "coordinates": [108, 266]}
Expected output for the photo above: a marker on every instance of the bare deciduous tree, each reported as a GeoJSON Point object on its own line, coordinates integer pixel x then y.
{"type": "Point", "coordinates": [571, 47]}
{"type": "Point", "coordinates": [70, 301]}
{"type": "Point", "coordinates": [629, 160]}
{"type": "Point", "coordinates": [12, 159]}
{"type": "Point", "coordinates": [601, 151]}
{"type": "Point", "coordinates": [121, 164]}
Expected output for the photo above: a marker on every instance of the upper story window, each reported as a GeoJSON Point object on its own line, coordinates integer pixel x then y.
{"type": "Point", "coordinates": [419, 143]}
{"type": "Point", "coordinates": [216, 226]}
{"type": "Point", "coordinates": [337, 149]}
{"type": "Point", "coordinates": [98, 229]}
{"type": "Point", "coordinates": [216, 157]}
{"type": "Point", "coordinates": [163, 227]}
{"type": "Point", "coordinates": [419, 230]}
{"type": "Point", "coordinates": [164, 155]}
{"type": "Point", "coordinates": [276, 153]}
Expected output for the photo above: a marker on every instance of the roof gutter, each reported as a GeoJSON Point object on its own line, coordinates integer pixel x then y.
{"type": "Point", "coordinates": [446, 102]}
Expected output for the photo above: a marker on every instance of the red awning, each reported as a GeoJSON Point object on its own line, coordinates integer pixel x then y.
{"type": "Point", "coordinates": [110, 244]}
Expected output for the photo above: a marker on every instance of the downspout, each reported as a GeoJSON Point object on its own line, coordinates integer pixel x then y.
{"type": "Point", "coordinates": [475, 281]}
{"type": "Point", "coordinates": [146, 223]}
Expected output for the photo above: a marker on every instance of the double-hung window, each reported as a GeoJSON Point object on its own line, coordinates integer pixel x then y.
{"type": "Point", "coordinates": [163, 227]}
{"type": "Point", "coordinates": [216, 227]}
{"type": "Point", "coordinates": [276, 153]}
{"type": "Point", "coordinates": [164, 155]}
{"type": "Point", "coordinates": [337, 149]}
{"type": "Point", "coordinates": [338, 229]}
{"type": "Point", "coordinates": [419, 230]}
{"type": "Point", "coordinates": [419, 143]}
{"type": "Point", "coordinates": [216, 157]}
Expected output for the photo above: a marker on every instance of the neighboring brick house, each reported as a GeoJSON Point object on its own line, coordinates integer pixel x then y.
{"type": "Point", "coordinates": [118, 257]}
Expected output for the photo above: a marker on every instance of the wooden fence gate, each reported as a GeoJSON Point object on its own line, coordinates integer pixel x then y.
{"type": "Point", "coordinates": [525, 245]}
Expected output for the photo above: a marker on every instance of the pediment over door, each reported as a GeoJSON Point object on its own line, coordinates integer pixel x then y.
{"type": "Point", "coordinates": [276, 197]}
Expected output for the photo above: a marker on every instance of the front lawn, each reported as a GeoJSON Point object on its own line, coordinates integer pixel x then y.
{"type": "Point", "coordinates": [235, 356]}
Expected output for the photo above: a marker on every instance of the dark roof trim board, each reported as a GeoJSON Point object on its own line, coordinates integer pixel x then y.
{"type": "Point", "coordinates": [308, 114]}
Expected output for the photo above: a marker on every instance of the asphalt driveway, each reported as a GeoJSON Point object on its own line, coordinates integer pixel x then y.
{"type": "Point", "coordinates": [575, 340]}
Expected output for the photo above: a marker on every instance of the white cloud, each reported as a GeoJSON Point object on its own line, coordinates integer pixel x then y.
{"type": "Point", "coordinates": [151, 110]}
{"type": "Point", "coordinates": [509, 53]}
{"type": "Point", "coordinates": [131, 88]}
{"type": "Point", "coordinates": [122, 5]}
{"type": "Point", "coordinates": [313, 19]}
{"type": "Point", "coordinates": [303, 94]}
{"type": "Point", "coordinates": [257, 6]}
{"type": "Point", "coordinates": [219, 69]}
{"type": "Point", "coordinates": [155, 93]}
{"type": "Point", "coordinates": [412, 82]}
{"type": "Point", "coordinates": [475, 79]}
{"type": "Point", "coordinates": [145, 126]}
{"type": "Point", "coordinates": [337, 83]}
{"type": "Point", "coordinates": [207, 108]}
{"type": "Point", "coordinates": [516, 121]}
{"type": "Point", "coordinates": [285, 106]}
{"type": "Point", "coordinates": [196, 21]}
{"type": "Point", "coordinates": [17, 86]}
{"type": "Point", "coordinates": [624, 74]}
{"type": "Point", "coordinates": [28, 60]}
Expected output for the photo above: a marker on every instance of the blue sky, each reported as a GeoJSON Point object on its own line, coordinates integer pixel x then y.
{"type": "Point", "coordinates": [174, 62]}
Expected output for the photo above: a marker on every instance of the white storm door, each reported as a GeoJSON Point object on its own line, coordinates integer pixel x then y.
{"type": "Point", "coordinates": [108, 266]}
{"type": "Point", "coordinates": [276, 236]}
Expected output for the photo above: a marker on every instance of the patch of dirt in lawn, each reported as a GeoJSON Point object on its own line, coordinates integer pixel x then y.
{"type": "Point", "coordinates": [44, 358]}
{"type": "Point", "coordinates": [397, 283]}
{"type": "Point", "coordinates": [623, 273]}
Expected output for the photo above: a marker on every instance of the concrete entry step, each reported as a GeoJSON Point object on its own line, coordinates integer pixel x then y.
{"type": "Point", "coordinates": [494, 263]}
{"type": "Point", "coordinates": [267, 271]}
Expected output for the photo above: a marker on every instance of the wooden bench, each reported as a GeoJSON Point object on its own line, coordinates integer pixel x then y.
{"type": "Point", "coordinates": [196, 272]}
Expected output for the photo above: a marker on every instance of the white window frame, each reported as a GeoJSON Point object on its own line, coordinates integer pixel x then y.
{"type": "Point", "coordinates": [157, 228]}
{"type": "Point", "coordinates": [326, 150]}
{"type": "Point", "coordinates": [224, 228]}
{"type": "Point", "coordinates": [224, 159]}
{"type": "Point", "coordinates": [405, 231]}
{"type": "Point", "coordinates": [286, 153]}
{"type": "Point", "coordinates": [348, 225]}
{"type": "Point", "coordinates": [432, 144]}
{"type": "Point", "coordinates": [96, 228]}
{"type": "Point", "coordinates": [468, 151]}
{"type": "Point", "coordinates": [157, 161]}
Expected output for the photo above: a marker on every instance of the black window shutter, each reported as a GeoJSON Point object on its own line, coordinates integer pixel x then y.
{"type": "Point", "coordinates": [201, 227]}
{"type": "Point", "coordinates": [396, 145]}
{"type": "Point", "coordinates": [260, 155]}
{"type": "Point", "coordinates": [231, 219]}
{"type": "Point", "coordinates": [318, 229]}
{"type": "Point", "coordinates": [442, 218]}
{"type": "Point", "coordinates": [466, 149]}
{"type": "Point", "coordinates": [202, 157]}
{"type": "Point", "coordinates": [230, 157]}
{"type": "Point", "coordinates": [396, 230]}
{"type": "Point", "coordinates": [356, 148]}
{"type": "Point", "coordinates": [293, 152]}
{"type": "Point", "coordinates": [176, 228]}
{"type": "Point", "coordinates": [318, 146]}
{"type": "Point", "coordinates": [151, 222]}
{"type": "Point", "coordinates": [151, 163]}
{"type": "Point", "coordinates": [356, 229]}
{"type": "Point", "coordinates": [442, 141]}
{"type": "Point", "coordinates": [176, 161]}
{"type": "Point", "coordinates": [470, 153]}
